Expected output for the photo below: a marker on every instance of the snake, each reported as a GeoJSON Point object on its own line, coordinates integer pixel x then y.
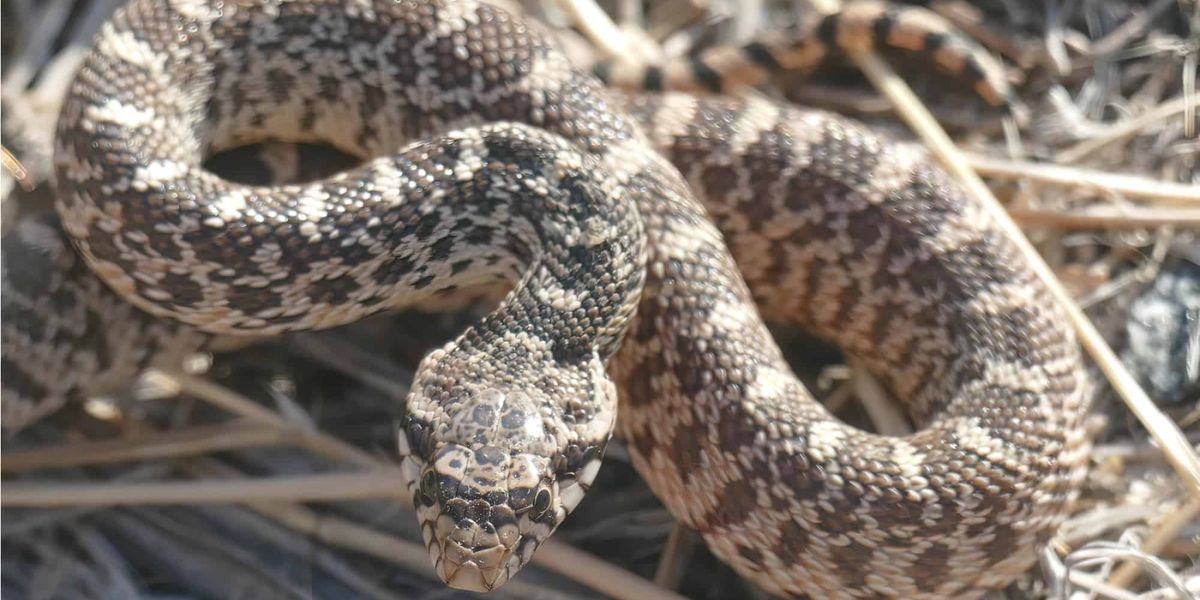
{"type": "Point", "coordinates": [639, 242]}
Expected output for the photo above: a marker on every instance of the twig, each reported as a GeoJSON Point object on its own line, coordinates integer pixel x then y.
{"type": "Point", "coordinates": [746, 19]}
{"type": "Point", "coordinates": [1128, 128]}
{"type": "Point", "coordinates": [344, 533]}
{"type": "Point", "coordinates": [1104, 553]}
{"type": "Point", "coordinates": [1094, 523]}
{"type": "Point", "coordinates": [368, 368]}
{"type": "Point", "coordinates": [1128, 185]}
{"type": "Point", "coordinates": [1097, 586]}
{"type": "Point", "coordinates": [348, 534]}
{"type": "Point", "coordinates": [104, 556]}
{"type": "Point", "coordinates": [837, 399]}
{"type": "Point", "coordinates": [670, 16]}
{"type": "Point", "coordinates": [379, 483]}
{"type": "Point", "coordinates": [599, 28]}
{"type": "Point", "coordinates": [325, 528]}
{"type": "Point", "coordinates": [197, 557]}
{"type": "Point", "coordinates": [185, 442]}
{"type": "Point", "coordinates": [1130, 29]}
{"type": "Point", "coordinates": [674, 553]}
{"type": "Point", "coordinates": [1147, 269]}
{"type": "Point", "coordinates": [224, 398]}
{"type": "Point", "coordinates": [1159, 538]}
{"type": "Point", "coordinates": [49, 517]}
{"type": "Point", "coordinates": [1189, 94]}
{"type": "Point", "coordinates": [1178, 452]}
{"type": "Point", "coordinates": [885, 416]}
{"type": "Point", "coordinates": [1131, 451]}
{"type": "Point", "coordinates": [382, 483]}
{"type": "Point", "coordinates": [250, 523]}
{"type": "Point", "coordinates": [598, 574]}
{"type": "Point", "coordinates": [577, 565]}
{"type": "Point", "coordinates": [313, 440]}
{"type": "Point", "coordinates": [1057, 58]}
{"type": "Point", "coordinates": [1108, 217]}
{"type": "Point", "coordinates": [18, 171]}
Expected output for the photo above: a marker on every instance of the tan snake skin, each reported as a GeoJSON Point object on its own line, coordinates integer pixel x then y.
{"type": "Point", "coordinates": [520, 168]}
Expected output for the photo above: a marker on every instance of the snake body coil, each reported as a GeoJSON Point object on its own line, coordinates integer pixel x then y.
{"type": "Point", "coordinates": [522, 168]}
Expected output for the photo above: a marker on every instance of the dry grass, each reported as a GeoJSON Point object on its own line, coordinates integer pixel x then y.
{"type": "Point", "coordinates": [275, 468]}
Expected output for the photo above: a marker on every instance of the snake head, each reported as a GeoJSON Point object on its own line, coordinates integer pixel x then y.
{"type": "Point", "coordinates": [492, 473]}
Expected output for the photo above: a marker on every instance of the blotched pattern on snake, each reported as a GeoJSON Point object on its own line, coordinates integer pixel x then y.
{"type": "Point", "coordinates": [491, 160]}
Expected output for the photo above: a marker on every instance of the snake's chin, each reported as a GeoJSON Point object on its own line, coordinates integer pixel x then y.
{"type": "Point", "coordinates": [467, 556]}
{"type": "Point", "coordinates": [470, 577]}
{"type": "Point", "coordinates": [477, 570]}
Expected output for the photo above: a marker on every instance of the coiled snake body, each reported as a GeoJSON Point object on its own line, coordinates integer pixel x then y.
{"type": "Point", "coordinates": [527, 170]}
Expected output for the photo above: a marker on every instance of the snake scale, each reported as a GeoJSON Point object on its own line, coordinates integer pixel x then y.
{"type": "Point", "coordinates": [657, 230]}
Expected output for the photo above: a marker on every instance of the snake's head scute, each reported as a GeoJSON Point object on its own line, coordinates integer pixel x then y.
{"type": "Point", "coordinates": [491, 483]}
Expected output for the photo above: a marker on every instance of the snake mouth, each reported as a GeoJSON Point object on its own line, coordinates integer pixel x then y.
{"type": "Point", "coordinates": [472, 555]}
{"type": "Point", "coordinates": [473, 569]}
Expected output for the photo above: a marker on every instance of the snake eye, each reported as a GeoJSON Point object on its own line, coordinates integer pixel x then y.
{"type": "Point", "coordinates": [429, 486]}
{"type": "Point", "coordinates": [541, 502]}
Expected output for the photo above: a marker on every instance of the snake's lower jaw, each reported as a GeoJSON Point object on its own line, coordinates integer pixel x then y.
{"type": "Point", "coordinates": [474, 571]}
{"type": "Point", "coordinates": [475, 555]}
{"type": "Point", "coordinates": [468, 576]}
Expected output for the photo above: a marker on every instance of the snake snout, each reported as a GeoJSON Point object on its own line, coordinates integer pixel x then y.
{"type": "Point", "coordinates": [484, 511]}
{"type": "Point", "coordinates": [475, 554]}
{"type": "Point", "coordinates": [477, 546]}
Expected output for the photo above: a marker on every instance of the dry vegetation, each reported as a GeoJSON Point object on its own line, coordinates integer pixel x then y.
{"type": "Point", "coordinates": [267, 472]}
